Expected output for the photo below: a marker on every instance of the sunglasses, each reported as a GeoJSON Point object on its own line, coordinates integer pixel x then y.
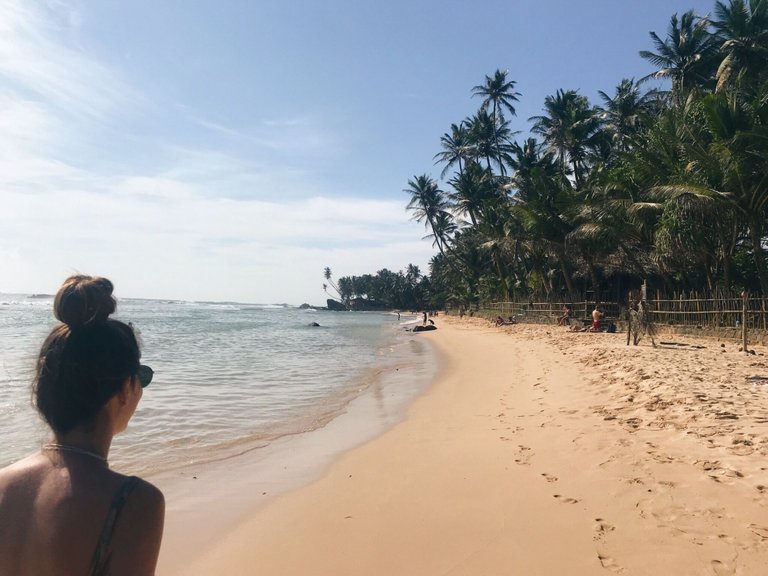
{"type": "Point", "coordinates": [145, 375]}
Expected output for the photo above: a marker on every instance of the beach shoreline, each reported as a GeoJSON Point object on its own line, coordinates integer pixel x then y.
{"type": "Point", "coordinates": [208, 497]}
{"type": "Point", "coordinates": [535, 451]}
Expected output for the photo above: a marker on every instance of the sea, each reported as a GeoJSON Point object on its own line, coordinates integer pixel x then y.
{"type": "Point", "coordinates": [229, 377]}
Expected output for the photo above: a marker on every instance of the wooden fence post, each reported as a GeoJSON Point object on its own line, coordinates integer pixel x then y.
{"type": "Point", "coordinates": [744, 297]}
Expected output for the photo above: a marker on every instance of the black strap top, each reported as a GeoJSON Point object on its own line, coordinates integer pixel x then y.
{"type": "Point", "coordinates": [100, 561]}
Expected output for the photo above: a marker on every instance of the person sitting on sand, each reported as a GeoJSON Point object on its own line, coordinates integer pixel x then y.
{"type": "Point", "coordinates": [565, 319]}
{"type": "Point", "coordinates": [597, 315]}
{"type": "Point", "coordinates": [62, 509]}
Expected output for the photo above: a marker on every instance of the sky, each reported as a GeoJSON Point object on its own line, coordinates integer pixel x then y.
{"type": "Point", "coordinates": [230, 150]}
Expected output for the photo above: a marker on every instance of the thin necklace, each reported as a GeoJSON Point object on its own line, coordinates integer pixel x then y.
{"type": "Point", "coordinates": [65, 448]}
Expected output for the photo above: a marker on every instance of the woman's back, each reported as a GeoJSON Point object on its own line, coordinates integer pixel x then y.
{"type": "Point", "coordinates": [53, 510]}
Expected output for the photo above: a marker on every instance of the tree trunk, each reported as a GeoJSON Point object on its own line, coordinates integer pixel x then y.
{"type": "Point", "coordinates": [500, 272]}
{"type": "Point", "coordinates": [756, 233]}
{"type": "Point", "coordinates": [595, 282]}
{"type": "Point", "coordinates": [565, 273]}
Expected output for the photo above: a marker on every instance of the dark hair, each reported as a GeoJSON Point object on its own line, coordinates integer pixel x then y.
{"type": "Point", "coordinates": [85, 359]}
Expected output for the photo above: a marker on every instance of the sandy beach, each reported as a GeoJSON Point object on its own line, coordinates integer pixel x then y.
{"type": "Point", "coordinates": [535, 451]}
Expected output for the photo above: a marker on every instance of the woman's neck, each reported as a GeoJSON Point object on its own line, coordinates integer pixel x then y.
{"type": "Point", "coordinates": [89, 441]}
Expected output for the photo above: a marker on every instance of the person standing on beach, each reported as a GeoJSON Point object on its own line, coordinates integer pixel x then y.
{"type": "Point", "coordinates": [597, 315]}
{"type": "Point", "coordinates": [62, 509]}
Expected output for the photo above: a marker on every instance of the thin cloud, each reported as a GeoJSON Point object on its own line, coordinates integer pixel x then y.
{"type": "Point", "coordinates": [40, 60]}
{"type": "Point", "coordinates": [288, 136]}
{"type": "Point", "coordinates": [177, 235]}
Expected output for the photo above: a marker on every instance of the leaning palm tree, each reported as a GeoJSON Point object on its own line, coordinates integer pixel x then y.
{"type": "Point", "coordinates": [426, 203]}
{"type": "Point", "coordinates": [687, 56]}
{"type": "Point", "coordinates": [443, 229]}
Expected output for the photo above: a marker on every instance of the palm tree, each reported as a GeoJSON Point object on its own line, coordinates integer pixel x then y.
{"type": "Point", "coordinates": [488, 139]}
{"type": "Point", "coordinates": [544, 202]}
{"type": "Point", "coordinates": [569, 127]}
{"type": "Point", "coordinates": [474, 189]}
{"type": "Point", "coordinates": [498, 94]}
{"type": "Point", "coordinates": [443, 229]}
{"type": "Point", "coordinates": [743, 27]}
{"type": "Point", "coordinates": [456, 147]}
{"type": "Point", "coordinates": [427, 202]}
{"type": "Point", "coordinates": [730, 159]}
{"type": "Point", "coordinates": [687, 56]}
{"type": "Point", "coordinates": [412, 274]}
{"type": "Point", "coordinates": [697, 233]}
{"type": "Point", "coordinates": [626, 112]}
{"type": "Point", "coordinates": [328, 276]}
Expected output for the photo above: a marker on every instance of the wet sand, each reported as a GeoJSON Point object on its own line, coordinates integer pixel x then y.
{"type": "Point", "coordinates": [535, 451]}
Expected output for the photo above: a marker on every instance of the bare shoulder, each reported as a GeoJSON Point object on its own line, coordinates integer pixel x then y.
{"type": "Point", "coordinates": [145, 507]}
{"type": "Point", "coordinates": [138, 533]}
{"type": "Point", "coordinates": [21, 472]}
{"type": "Point", "coordinates": [148, 495]}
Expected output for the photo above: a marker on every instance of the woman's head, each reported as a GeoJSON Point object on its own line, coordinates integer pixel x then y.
{"type": "Point", "coordinates": [86, 359]}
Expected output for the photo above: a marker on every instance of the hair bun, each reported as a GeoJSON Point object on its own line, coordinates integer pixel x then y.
{"type": "Point", "coordinates": [84, 300]}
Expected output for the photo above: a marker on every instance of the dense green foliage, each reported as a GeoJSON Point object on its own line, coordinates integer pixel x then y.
{"type": "Point", "coordinates": [669, 185]}
{"type": "Point", "coordinates": [407, 290]}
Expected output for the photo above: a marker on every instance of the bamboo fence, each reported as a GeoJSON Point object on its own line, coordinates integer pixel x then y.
{"type": "Point", "coordinates": [681, 310]}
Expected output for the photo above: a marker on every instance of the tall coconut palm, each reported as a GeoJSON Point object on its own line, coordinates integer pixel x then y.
{"type": "Point", "coordinates": [443, 229]}
{"type": "Point", "coordinates": [570, 128]}
{"type": "Point", "coordinates": [473, 190]}
{"type": "Point", "coordinates": [687, 56]}
{"type": "Point", "coordinates": [498, 94]}
{"type": "Point", "coordinates": [544, 202]}
{"type": "Point", "coordinates": [743, 27]}
{"type": "Point", "coordinates": [426, 203]}
{"type": "Point", "coordinates": [456, 148]}
{"type": "Point", "coordinates": [730, 159]}
{"type": "Point", "coordinates": [488, 139]}
{"type": "Point", "coordinates": [626, 112]}
{"type": "Point", "coordinates": [499, 236]}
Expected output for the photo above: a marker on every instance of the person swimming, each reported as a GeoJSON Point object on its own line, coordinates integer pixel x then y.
{"type": "Point", "coordinates": [62, 509]}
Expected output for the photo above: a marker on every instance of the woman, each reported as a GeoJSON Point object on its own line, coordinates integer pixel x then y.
{"type": "Point", "coordinates": [62, 510]}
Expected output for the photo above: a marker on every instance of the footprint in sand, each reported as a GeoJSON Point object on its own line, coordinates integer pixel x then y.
{"type": "Point", "coordinates": [726, 538]}
{"type": "Point", "coordinates": [722, 569]}
{"type": "Point", "coordinates": [602, 528]}
{"type": "Point", "coordinates": [549, 477]}
{"type": "Point", "coordinates": [566, 500]}
{"type": "Point", "coordinates": [523, 455]}
{"type": "Point", "coordinates": [761, 531]}
{"type": "Point", "coordinates": [609, 563]}
{"type": "Point", "coordinates": [741, 450]}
